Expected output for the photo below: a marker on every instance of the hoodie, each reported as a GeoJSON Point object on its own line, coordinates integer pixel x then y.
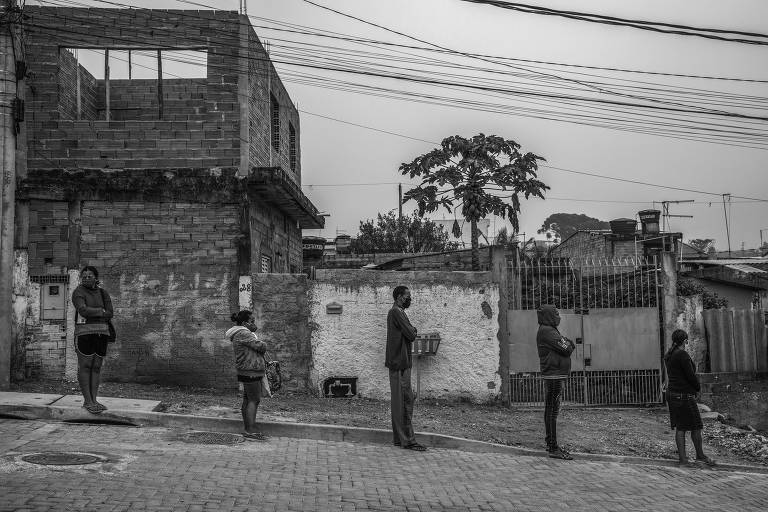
{"type": "Point", "coordinates": [249, 351]}
{"type": "Point", "coordinates": [554, 349]}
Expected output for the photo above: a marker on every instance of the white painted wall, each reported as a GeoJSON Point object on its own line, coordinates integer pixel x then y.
{"type": "Point", "coordinates": [352, 344]}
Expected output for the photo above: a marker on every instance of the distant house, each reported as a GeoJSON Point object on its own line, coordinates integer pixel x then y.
{"type": "Point", "coordinates": [743, 281]}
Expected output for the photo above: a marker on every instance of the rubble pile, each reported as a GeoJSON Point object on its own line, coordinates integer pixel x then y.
{"type": "Point", "coordinates": [750, 444]}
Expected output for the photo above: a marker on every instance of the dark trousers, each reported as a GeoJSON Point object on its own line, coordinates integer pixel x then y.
{"type": "Point", "coordinates": [554, 393]}
{"type": "Point", "coordinates": [402, 406]}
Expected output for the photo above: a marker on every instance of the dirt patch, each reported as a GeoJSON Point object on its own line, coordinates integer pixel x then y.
{"type": "Point", "coordinates": [642, 432]}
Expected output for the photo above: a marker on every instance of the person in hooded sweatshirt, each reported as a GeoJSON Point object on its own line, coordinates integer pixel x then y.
{"type": "Point", "coordinates": [555, 360]}
{"type": "Point", "coordinates": [251, 369]}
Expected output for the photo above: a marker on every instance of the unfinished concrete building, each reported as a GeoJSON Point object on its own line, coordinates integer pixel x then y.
{"type": "Point", "coordinates": [176, 189]}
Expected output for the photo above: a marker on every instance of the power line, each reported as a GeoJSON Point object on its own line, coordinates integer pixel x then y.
{"type": "Point", "coordinates": [655, 26]}
{"type": "Point", "coordinates": [690, 129]}
{"type": "Point", "coordinates": [598, 89]}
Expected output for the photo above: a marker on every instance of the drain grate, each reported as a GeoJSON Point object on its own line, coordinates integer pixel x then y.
{"type": "Point", "coordinates": [61, 459]}
{"type": "Point", "coordinates": [211, 438]}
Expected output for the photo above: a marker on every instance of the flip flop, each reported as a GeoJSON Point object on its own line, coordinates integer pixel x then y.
{"type": "Point", "coordinates": [101, 406]}
{"type": "Point", "coordinates": [709, 461]}
{"type": "Point", "coordinates": [93, 409]}
{"type": "Point", "coordinates": [415, 447]}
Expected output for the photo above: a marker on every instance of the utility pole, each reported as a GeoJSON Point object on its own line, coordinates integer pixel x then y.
{"type": "Point", "coordinates": [399, 200]}
{"type": "Point", "coordinates": [727, 228]}
{"type": "Point", "coordinates": [10, 108]}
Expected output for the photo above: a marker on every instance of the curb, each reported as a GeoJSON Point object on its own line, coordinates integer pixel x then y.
{"type": "Point", "coordinates": [318, 432]}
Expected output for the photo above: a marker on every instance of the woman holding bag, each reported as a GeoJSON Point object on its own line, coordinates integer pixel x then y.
{"type": "Point", "coordinates": [249, 361]}
{"type": "Point", "coordinates": [93, 307]}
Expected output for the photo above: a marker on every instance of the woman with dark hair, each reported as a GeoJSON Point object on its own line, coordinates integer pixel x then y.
{"type": "Point", "coordinates": [251, 367]}
{"type": "Point", "coordinates": [94, 310]}
{"type": "Point", "coordinates": [682, 387]}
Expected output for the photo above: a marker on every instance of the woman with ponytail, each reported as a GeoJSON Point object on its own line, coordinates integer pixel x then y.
{"type": "Point", "coordinates": [682, 387]}
{"type": "Point", "coordinates": [249, 360]}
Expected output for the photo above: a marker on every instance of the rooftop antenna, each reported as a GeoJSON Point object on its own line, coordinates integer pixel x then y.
{"type": "Point", "coordinates": [666, 215]}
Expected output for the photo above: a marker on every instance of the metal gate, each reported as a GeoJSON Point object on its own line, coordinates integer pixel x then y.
{"type": "Point", "coordinates": [609, 308]}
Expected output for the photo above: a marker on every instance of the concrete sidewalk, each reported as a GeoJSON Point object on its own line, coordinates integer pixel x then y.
{"type": "Point", "coordinates": [143, 413]}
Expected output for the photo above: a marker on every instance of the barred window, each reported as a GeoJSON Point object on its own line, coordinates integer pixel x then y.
{"type": "Point", "coordinates": [266, 264]}
{"type": "Point", "coordinates": [292, 146]}
{"type": "Point", "coordinates": [274, 114]}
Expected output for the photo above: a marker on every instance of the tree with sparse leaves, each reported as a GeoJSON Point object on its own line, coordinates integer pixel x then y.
{"type": "Point", "coordinates": [388, 233]}
{"type": "Point", "coordinates": [563, 225]}
{"type": "Point", "coordinates": [483, 175]}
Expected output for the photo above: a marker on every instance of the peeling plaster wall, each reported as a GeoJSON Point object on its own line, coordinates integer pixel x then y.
{"type": "Point", "coordinates": [352, 344]}
{"type": "Point", "coordinates": [171, 270]}
{"type": "Point", "coordinates": [40, 345]}
{"type": "Point", "coordinates": [690, 320]}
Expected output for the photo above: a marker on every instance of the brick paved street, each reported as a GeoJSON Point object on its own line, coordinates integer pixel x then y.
{"type": "Point", "coordinates": [152, 469]}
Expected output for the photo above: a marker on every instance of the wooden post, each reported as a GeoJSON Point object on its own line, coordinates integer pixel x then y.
{"type": "Point", "coordinates": [160, 84]}
{"type": "Point", "coordinates": [106, 82]}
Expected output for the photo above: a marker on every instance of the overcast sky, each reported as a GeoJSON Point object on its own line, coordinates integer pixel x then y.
{"type": "Point", "coordinates": [335, 155]}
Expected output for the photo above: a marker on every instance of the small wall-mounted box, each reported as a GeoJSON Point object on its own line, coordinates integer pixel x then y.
{"type": "Point", "coordinates": [333, 308]}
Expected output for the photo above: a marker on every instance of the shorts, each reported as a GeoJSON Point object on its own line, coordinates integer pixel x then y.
{"type": "Point", "coordinates": [248, 378]}
{"type": "Point", "coordinates": [684, 412]}
{"type": "Point", "coordinates": [92, 344]}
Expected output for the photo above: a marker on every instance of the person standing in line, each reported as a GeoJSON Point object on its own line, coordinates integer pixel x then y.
{"type": "Point", "coordinates": [682, 387]}
{"type": "Point", "coordinates": [555, 361]}
{"type": "Point", "coordinates": [251, 369]}
{"type": "Point", "coordinates": [94, 310]}
{"type": "Point", "coordinates": [398, 359]}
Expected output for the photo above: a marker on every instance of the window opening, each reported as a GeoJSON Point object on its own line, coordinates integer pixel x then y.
{"type": "Point", "coordinates": [266, 265]}
{"type": "Point", "coordinates": [274, 114]}
{"type": "Point", "coordinates": [120, 84]}
{"type": "Point", "coordinates": [292, 146]}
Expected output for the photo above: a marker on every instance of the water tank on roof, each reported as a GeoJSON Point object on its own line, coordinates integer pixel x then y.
{"type": "Point", "coordinates": [342, 244]}
{"type": "Point", "coordinates": [623, 226]}
{"type": "Point", "coordinates": [649, 219]}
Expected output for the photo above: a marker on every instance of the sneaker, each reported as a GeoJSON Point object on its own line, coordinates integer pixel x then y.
{"type": "Point", "coordinates": [560, 454]}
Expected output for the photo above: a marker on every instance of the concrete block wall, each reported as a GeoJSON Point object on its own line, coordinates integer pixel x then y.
{"type": "Point", "coordinates": [48, 242]}
{"type": "Point", "coordinates": [461, 306]}
{"type": "Point", "coordinates": [201, 124]}
{"type": "Point", "coordinates": [136, 100]}
{"type": "Point", "coordinates": [281, 309]}
{"type": "Point", "coordinates": [171, 270]}
{"type": "Point", "coordinates": [68, 70]}
{"type": "Point", "coordinates": [208, 136]}
{"type": "Point", "coordinates": [263, 82]}
{"type": "Point", "coordinates": [277, 237]}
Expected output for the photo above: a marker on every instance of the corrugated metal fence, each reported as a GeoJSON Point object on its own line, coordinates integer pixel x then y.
{"type": "Point", "coordinates": [737, 340]}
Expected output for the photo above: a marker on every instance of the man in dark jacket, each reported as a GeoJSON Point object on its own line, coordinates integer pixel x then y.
{"type": "Point", "coordinates": [555, 361]}
{"type": "Point", "coordinates": [400, 336]}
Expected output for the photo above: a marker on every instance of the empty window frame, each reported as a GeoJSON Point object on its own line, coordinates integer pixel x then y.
{"type": "Point", "coordinates": [102, 70]}
{"type": "Point", "coordinates": [274, 115]}
{"type": "Point", "coordinates": [292, 146]}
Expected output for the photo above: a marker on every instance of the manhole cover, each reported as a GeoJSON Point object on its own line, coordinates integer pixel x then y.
{"type": "Point", "coordinates": [61, 459]}
{"type": "Point", "coordinates": [212, 438]}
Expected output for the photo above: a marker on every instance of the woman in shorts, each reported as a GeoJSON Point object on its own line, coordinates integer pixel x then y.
{"type": "Point", "coordinates": [93, 307]}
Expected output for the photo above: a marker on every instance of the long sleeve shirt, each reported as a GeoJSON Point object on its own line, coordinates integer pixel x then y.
{"type": "Point", "coordinates": [400, 336]}
{"type": "Point", "coordinates": [681, 373]}
{"type": "Point", "coordinates": [92, 304]}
